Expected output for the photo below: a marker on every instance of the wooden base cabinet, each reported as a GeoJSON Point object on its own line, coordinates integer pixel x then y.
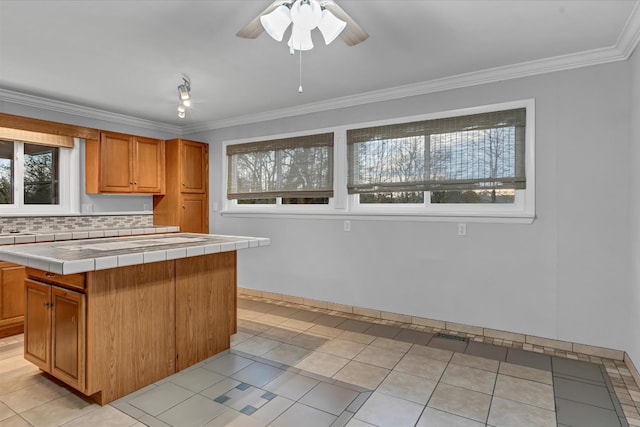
{"type": "Point", "coordinates": [55, 331]}
{"type": "Point", "coordinates": [11, 299]}
{"type": "Point", "coordinates": [108, 333]}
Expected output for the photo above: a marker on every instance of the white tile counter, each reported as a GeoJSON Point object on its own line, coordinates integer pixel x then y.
{"type": "Point", "coordinates": [53, 236]}
{"type": "Point", "coordinates": [79, 256]}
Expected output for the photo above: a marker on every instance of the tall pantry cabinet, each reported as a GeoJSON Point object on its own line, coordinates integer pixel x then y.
{"type": "Point", "coordinates": [186, 199]}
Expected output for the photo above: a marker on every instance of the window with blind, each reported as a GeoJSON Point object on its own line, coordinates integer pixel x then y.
{"type": "Point", "coordinates": [476, 162]}
{"type": "Point", "coordinates": [296, 170]}
{"type": "Point", "coordinates": [478, 158]}
{"type": "Point", "coordinates": [35, 176]}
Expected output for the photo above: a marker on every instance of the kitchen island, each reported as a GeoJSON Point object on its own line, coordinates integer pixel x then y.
{"type": "Point", "coordinates": [110, 316]}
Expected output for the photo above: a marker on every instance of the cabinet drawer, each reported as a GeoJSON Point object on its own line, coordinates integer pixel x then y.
{"type": "Point", "coordinates": [72, 281]}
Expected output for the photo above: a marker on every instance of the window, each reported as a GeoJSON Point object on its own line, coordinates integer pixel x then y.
{"type": "Point", "coordinates": [471, 163]}
{"type": "Point", "coordinates": [35, 178]}
{"type": "Point", "coordinates": [288, 171]}
{"type": "Point", "coordinates": [471, 159]}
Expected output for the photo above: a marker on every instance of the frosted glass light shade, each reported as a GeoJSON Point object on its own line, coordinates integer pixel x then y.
{"type": "Point", "coordinates": [330, 26]}
{"type": "Point", "coordinates": [300, 39]}
{"type": "Point", "coordinates": [306, 14]}
{"type": "Point", "coordinates": [276, 22]}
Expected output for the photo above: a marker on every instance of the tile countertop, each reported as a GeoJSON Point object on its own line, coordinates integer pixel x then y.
{"type": "Point", "coordinates": [80, 256]}
{"type": "Point", "coordinates": [52, 236]}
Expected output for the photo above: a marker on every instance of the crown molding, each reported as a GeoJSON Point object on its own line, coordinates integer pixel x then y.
{"type": "Point", "coordinates": [626, 43]}
{"type": "Point", "coordinates": [85, 112]}
{"type": "Point", "coordinates": [630, 35]}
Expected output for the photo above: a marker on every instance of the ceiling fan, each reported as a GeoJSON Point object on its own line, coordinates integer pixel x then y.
{"type": "Point", "coordinates": [304, 16]}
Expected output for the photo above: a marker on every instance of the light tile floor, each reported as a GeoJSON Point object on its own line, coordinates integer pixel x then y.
{"type": "Point", "coordinates": [294, 366]}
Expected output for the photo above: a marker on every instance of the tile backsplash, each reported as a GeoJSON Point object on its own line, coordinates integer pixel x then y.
{"type": "Point", "coordinates": [73, 223]}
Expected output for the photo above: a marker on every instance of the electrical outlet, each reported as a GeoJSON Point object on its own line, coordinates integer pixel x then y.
{"type": "Point", "coordinates": [347, 226]}
{"type": "Point", "coordinates": [462, 229]}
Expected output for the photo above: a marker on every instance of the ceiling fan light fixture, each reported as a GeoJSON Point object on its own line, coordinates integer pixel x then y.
{"type": "Point", "coordinates": [300, 39]}
{"type": "Point", "coordinates": [330, 26]}
{"type": "Point", "coordinates": [306, 14]}
{"type": "Point", "coordinates": [276, 22]}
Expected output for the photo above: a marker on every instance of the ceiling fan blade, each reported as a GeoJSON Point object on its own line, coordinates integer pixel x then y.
{"type": "Point", "coordinates": [353, 33]}
{"type": "Point", "coordinates": [254, 28]}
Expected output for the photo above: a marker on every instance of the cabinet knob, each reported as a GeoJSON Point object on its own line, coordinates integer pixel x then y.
{"type": "Point", "coordinates": [183, 184]}
{"type": "Point", "coordinates": [135, 182]}
{"type": "Point", "coordinates": [183, 206]}
{"type": "Point", "coordinates": [131, 182]}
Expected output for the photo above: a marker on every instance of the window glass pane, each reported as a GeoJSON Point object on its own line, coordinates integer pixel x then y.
{"type": "Point", "coordinates": [6, 173]}
{"type": "Point", "coordinates": [305, 200]}
{"type": "Point", "coordinates": [393, 197]}
{"type": "Point", "coordinates": [254, 172]}
{"type": "Point", "coordinates": [473, 196]}
{"type": "Point", "coordinates": [306, 168]}
{"type": "Point", "coordinates": [394, 160]}
{"type": "Point", "coordinates": [41, 175]}
{"type": "Point", "coordinates": [257, 201]}
{"type": "Point", "coordinates": [477, 155]}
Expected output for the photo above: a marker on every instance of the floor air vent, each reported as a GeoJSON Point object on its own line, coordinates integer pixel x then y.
{"type": "Point", "coordinates": [451, 337]}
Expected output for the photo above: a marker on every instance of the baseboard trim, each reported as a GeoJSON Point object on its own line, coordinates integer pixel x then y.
{"type": "Point", "coordinates": [530, 342]}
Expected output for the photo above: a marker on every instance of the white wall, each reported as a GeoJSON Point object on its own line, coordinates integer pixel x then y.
{"type": "Point", "coordinates": [566, 276]}
{"type": "Point", "coordinates": [634, 166]}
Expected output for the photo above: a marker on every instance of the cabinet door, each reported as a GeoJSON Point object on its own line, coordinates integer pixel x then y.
{"type": "Point", "coordinates": [11, 292]}
{"type": "Point", "coordinates": [148, 165]}
{"type": "Point", "coordinates": [37, 324]}
{"type": "Point", "coordinates": [194, 214]}
{"type": "Point", "coordinates": [115, 163]}
{"type": "Point", "coordinates": [67, 336]}
{"type": "Point", "coordinates": [194, 168]}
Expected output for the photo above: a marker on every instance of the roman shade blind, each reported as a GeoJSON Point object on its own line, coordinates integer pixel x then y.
{"type": "Point", "coordinates": [473, 152]}
{"type": "Point", "coordinates": [299, 166]}
{"type": "Point", "coordinates": [37, 138]}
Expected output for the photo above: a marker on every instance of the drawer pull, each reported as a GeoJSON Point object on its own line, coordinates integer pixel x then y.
{"type": "Point", "coordinates": [47, 274]}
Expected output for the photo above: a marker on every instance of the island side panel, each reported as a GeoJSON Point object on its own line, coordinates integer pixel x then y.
{"type": "Point", "coordinates": [205, 306]}
{"type": "Point", "coordinates": [130, 328]}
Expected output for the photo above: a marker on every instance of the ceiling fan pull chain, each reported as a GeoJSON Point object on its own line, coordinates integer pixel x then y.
{"type": "Point", "coordinates": [300, 87]}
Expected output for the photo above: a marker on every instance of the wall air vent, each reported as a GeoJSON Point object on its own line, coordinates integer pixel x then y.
{"type": "Point", "coordinates": [451, 337]}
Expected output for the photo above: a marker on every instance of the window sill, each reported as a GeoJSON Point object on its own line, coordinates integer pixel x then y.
{"type": "Point", "coordinates": [500, 218]}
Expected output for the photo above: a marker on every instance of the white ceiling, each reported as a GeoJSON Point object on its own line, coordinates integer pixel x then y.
{"type": "Point", "coordinates": [127, 57]}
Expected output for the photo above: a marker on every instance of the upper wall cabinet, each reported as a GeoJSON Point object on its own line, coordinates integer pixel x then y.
{"type": "Point", "coordinates": [193, 166]}
{"type": "Point", "coordinates": [119, 163]}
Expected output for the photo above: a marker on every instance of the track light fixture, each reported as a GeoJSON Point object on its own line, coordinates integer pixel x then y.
{"type": "Point", "coordinates": [184, 94]}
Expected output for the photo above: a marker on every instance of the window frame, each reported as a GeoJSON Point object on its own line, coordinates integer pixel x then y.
{"type": "Point", "coordinates": [68, 184]}
{"type": "Point", "coordinates": [345, 206]}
